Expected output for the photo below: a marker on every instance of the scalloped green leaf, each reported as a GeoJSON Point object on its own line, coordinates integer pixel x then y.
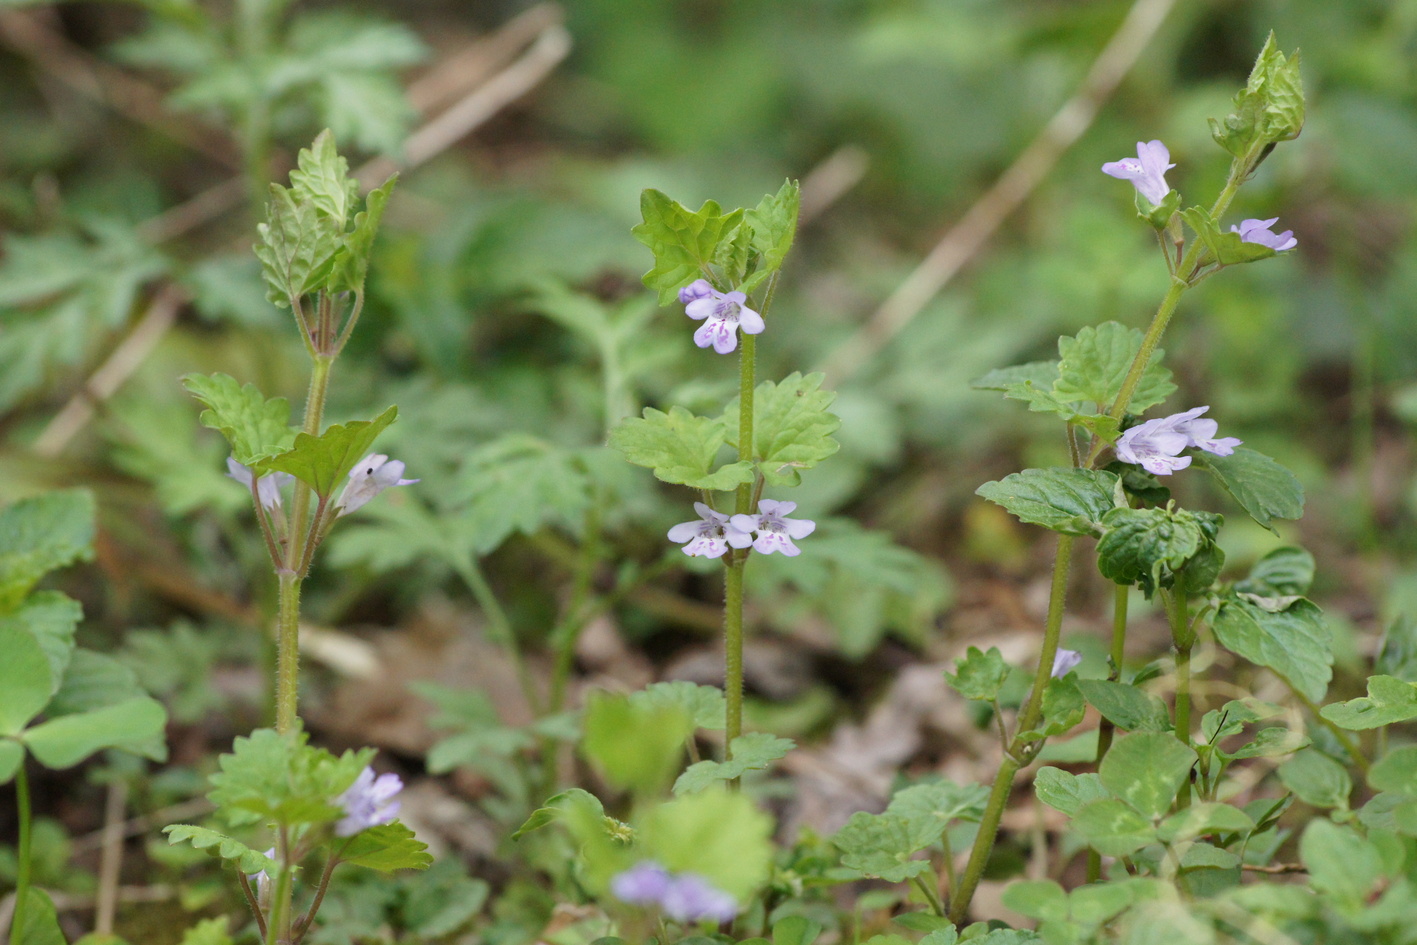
{"type": "Point", "coordinates": [321, 462]}
{"type": "Point", "coordinates": [755, 751]}
{"type": "Point", "coordinates": [681, 448]}
{"type": "Point", "coordinates": [1064, 499]}
{"type": "Point", "coordinates": [256, 428]}
{"type": "Point", "coordinates": [882, 846]}
{"type": "Point", "coordinates": [386, 848]}
{"type": "Point", "coordinates": [221, 846]}
{"type": "Point", "coordinates": [1295, 642]}
{"type": "Point", "coordinates": [1147, 547]}
{"type": "Point", "coordinates": [792, 428]}
{"type": "Point", "coordinates": [772, 226]}
{"type": "Point", "coordinates": [1094, 363]}
{"type": "Point", "coordinates": [684, 242]}
{"type": "Point", "coordinates": [705, 704]}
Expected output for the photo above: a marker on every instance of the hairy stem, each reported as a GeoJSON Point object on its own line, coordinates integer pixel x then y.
{"type": "Point", "coordinates": [733, 577]}
{"type": "Point", "coordinates": [288, 651]}
{"type": "Point", "coordinates": [1028, 720]}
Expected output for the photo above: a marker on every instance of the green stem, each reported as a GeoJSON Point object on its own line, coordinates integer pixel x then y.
{"type": "Point", "coordinates": [1028, 720]}
{"type": "Point", "coordinates": [930, 894]}
{"type": "Point", "coordinates": [1178, 614]}
{"type": "Point", "coordinates": [1106, 730]}
{"type": "Point", "coordinates": [279, 921]}
{"type": "Point", "coordinates": [573, 621]}
{"type": "Point", "coordinates": [288, 651]}
{"type": "Point", "coordinates": [733, 651]}
{"type": "Point", "coordinates": [22, 852]}
{"type": "Point", "coordinates": [472, 575]}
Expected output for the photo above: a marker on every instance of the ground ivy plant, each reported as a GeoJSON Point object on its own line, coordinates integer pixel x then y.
{"type": "Point", "coordinates": [308, 804]}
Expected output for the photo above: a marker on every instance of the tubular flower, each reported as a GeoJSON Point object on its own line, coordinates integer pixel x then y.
{"type": "Point", "coordinates": [1156, 444]}
{"type": "Point", "coordinates": [369, 477]}
{"type": "Point", "coordinates": [722, 314]}
{"type": "Point", "coordinates": [268, 485]}
{"type": "Point", "coordinates": [1146, 171]}
{"type": "Point", "coordinates": [1258, 231]}
{"type": "Point", "coordinates": [1065, 661]}
{"type": "Point", "coordinates": [709, 536]}
{"type": "Point", "coordinates": [775, 531]}
{"type": "Point", "coordinates": [368, 802]}
{"type": "Point", "coordinates": [684, 897]}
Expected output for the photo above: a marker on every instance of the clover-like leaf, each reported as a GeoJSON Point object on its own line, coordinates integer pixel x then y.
{"type": "Point", "coordinates": [65, 741]}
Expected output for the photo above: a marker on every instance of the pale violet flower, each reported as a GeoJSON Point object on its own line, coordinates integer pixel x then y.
{"type": "Point", "coordinates": [684, 897]}
{"type": "Point", "coordinates": [369, 477]}
{"type": "Point", "coordinates": [644, 884]}
{"type": "Point", "coordinates": [1156, 444]}
{"type": "Point", "coordinates": [1065, 661]}
{"type": "Point", "coordinates": [722, 314]}
{"type": "Point", "coordinates": [691, 898]}
{"type": "Point", "coordinates": [1146, 171]}
{"type": "Point", "coordinates": [774, 530]}
{"type": "Point", "coordinates": [368, 802]}
{"type": "Point", "coordinates": [1258, 231]}
{"type": "Point", "coordinates": [709, 536]}
{"type": "Point", "coordinates": [268, 485]}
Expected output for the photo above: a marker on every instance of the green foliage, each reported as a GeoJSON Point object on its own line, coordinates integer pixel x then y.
{"type": "Point", "coordinates": [979, 675]}
{"type": "Point", "coordinates": [61, 294]}
{"type": "Point", "coordinates": [1146, 769]}
{"type": "Point", "coordinates": [256, 428]}
{"type": "Point", "coordinates": [704, 704]}
{"type": "Point", "coordinates": [774, 225]}
{"type": "Point", "coordinates": [1223, 246]}
{"type": "Point", "coordinates": [881, 846]}
{"type": "Point", "coordinates": [1067, 792]}
{"type": "Point", "coordinates": [1398, 654]}
{"type": "Point", "coordinates": [321, 462]}
{"type": "Point", "coordinates": [280, 778]}
{"type": "Point", "coordinates": [1094, 365]}
{"type": "Point", "coordinates": [207, 932]}
{"type": "Point", "coordinates": [1317, 780]}
{"type": "Point", "coordinates": [685, 243]}
{"type": "Point", "coordinates": [1264, 489]}
{"type": "Point", "coordinates": [1268, 109]}
{"type": "Point", "coordinates": [1064, 499]}
{"type": "Point", "coordinates": [65, 741]}
{"type": "Point", "coordinates": [1294, 641]}
{"type": "Point", "coordinates": [41, 924]}
{"type": "Point", "coordinates": [25, 680]}
{"type": "Point", "coordinates": [1151, 547]}
{"type": "Point", "coordinates": [40, 535]}
{"type": "Point", "coordinates": [519, 483]}
{"type": "Point", "coordinates": [1282, 572]}
{"type": "Point", "coordinates": [1127, 707]}
{"type": "Point", "coordinates": [792, 429]}
{"type": "Point", "coordinates": [634, 745]}
{"type": "Point", "coordinates": [752, 752]}
{"type": "Point", "coordinates": [720, 835]}
{"type": "Point", "coordinates": [1389, 701]}
{"type": "Point", "coordinates": [681, 448]}
{"type": "Point", "coordinates": [385, 848]}
{"type": "Point", "coordinates": [1062, 708]}
{"type": "Point", "coordinates": [221, 846]}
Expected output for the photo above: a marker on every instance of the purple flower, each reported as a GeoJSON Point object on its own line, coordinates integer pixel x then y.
{"type": "Point", "coordinates": [774, 529]}
{"type": "Point", "coordinates": [690, 898]}
{"type": "Point", "coordinates": [1201, 433]}
{"type": "Point", "coordinates": [1065, 661]}
{"type": "Point", "coordinates": [369, 802]}
{"type": "Point", "coordinates": [1258, 231]}
{"type": "Point", "coordinates": [684, 897]}
{"type": "Point", "coordinates": [1146, 171]}
{"type": "Point", "coordinates": [1156, 444]}
{"type": "Point", "coordinates": [710, 536]}
{"type": "Point", "coordinates": [644, 884]}
{"type": "Point", "coordinates": [725, 314]}
{"type": "Point", "coordinates": [268, 485]}
{"type": "Point", "coordinates": [369, 477]}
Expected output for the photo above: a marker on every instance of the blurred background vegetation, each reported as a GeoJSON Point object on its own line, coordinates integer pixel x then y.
{"type": "Point", "coordinates": [507, 321]}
